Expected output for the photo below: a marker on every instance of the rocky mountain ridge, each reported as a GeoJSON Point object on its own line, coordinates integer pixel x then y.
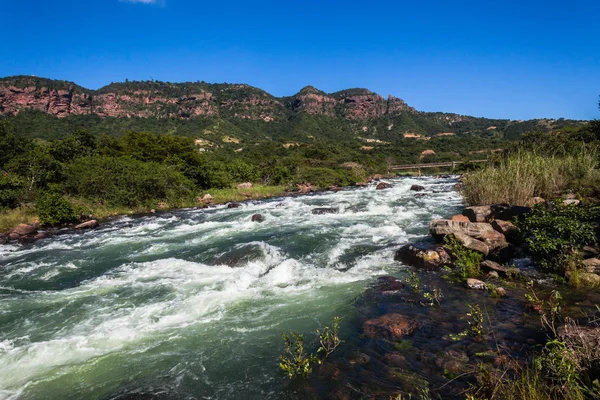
{"type": "Point", "coordinates": [187, 100]}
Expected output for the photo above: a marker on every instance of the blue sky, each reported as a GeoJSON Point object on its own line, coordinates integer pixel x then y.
{"type": "Point", "coordinates": [503, 59]}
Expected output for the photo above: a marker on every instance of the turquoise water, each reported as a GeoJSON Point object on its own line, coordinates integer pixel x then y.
{"type": "Point", "coordinates": [191, 304]}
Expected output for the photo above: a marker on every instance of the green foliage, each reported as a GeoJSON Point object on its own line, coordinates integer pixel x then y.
{"type": "Point", "coordinates": [53, 209]}
{"type": "Point", "coordinates": [329, 338]}
{"type": "Point", "coordinates": [434, 297]}
{"type": "Point", "coordinates": [296, 362]}
{"type": "Point", "coordinates": [11, 188]}
{"type": "Point", "coordinates": [475, 328]}
{"type": "Point", "coordinates": [127, 182]}
{"type": "Point", "coordinates": [555, 232]}
{"type": "Point", "coordinates": [466, 262]}
{"type": "Point", "coordinates": [413, 281]}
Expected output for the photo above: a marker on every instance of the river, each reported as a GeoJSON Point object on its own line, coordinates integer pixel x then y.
{"type": "Point", "coordinates": [192, 303]}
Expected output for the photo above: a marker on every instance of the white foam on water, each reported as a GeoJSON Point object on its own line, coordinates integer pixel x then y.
{"type": "Point", "coordinates": [137, 305]}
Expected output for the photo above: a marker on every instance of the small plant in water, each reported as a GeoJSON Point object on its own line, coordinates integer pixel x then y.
{"type": "Point", "coordinates": [295, 362]}
{"type": "Point", "coordinates": [434, 297]}
{"type": "Point", "coordinates": [329, 339]}
{"type": "Point", "coordinates": [475, 328]}
{"type": "Point", "coordinates": [413, 281]}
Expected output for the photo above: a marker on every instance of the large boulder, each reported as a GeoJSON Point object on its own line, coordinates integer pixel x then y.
{"type": "Point", "coordinates": [258, 218]}
{"type": "Point", "coordinates": [383, 185]}
{"type": "Point", "coordinates": [473, 244]}
{"type": "Point", "coordinates": [478, 213]}
{"type": "Point", "coordinates": [24, 229]}
{"type": "Point", "coordinates": [440, 228]}
{"type": "Point", "coordinates": [417, 188]}
{"type": "Point", "coordinates": [423, 256]}
{"type": "Point", "coordinates": [234, 205]}
{"type": "Point", "coordinates": [390, 326]}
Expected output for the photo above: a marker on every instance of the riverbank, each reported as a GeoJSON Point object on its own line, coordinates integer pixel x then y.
{"type": "Point", "coordinates": [28, 215]}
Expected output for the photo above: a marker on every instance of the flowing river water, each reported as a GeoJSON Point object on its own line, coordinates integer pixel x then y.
{"type": "Point", "coordinates": [192, 303]}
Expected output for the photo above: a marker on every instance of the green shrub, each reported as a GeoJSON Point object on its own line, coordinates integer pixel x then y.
{"type": "Point", "coordinates": [53, 209]}
{"type": "Point", "coordinates": [466, 262]}
{"type": "Point", "coordinates": [554, 233]}
{"type": "Point", "coordinates": [122, 181]}
{"type": "Point", "coordinates": [11, 188]}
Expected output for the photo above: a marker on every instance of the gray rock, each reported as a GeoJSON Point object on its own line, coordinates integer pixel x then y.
{"type": "Point", "coordinates": [423, 256]}
{"type": "Point", "coordinates": [478, 213]}
{"type": "Point", "coordinates": [473, 244]}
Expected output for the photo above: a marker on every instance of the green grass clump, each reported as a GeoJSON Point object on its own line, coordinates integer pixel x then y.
{"type": "Point", "coordinates": [524, 175]}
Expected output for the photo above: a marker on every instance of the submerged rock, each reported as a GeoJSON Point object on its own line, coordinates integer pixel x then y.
{"type": "Point", "coordinates": [417, 188]}
{"type": "Point", "coordinates": [383, 185]}
{"type": "Point", "coordinates": [390, 326]}
{"type": "Point", "coordinates": [423, 256]}
{"type": "Point", "coordinates": [234, 205]}
{"type": "Point", "coordinates": [324, 210]}
{"type": "Point", "coordinates": [258, 218]}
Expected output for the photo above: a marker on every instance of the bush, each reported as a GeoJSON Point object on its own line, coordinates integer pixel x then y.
{"type": "Point", "coordinates": [555, 232]}
{"type": "Point", "coordinates": [466, 262]}
{"type": "Point", "coordinates": [53, 209]}
{"type": "Point", "coordinates": [524, 175]}
{"type": "Point", "coordinates": [126, 182]}
{"type": "Point", "coordinates": [325, 177]}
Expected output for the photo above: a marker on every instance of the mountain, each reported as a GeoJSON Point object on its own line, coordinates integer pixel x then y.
{"type": "Point", "coordinates": [356, 109]}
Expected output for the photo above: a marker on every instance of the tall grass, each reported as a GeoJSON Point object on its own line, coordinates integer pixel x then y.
{"type": "Point", "coordinates": [524, 175]}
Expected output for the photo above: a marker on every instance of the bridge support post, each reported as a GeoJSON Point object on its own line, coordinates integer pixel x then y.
{"type": "Point", "coordinates": [419, 171]}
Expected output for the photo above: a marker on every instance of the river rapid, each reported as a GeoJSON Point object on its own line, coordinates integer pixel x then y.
{"type": "Point", "coordinates": [192, 303]}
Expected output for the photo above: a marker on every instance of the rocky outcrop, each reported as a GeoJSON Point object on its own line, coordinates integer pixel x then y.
{"type": "Point", "coordinates": [188, 100]}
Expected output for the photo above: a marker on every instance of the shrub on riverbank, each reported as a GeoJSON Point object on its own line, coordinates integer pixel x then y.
{"type": "Point", "coordinates": [524, 174]}
{"type": "Point", "coordinates": [53, 209]}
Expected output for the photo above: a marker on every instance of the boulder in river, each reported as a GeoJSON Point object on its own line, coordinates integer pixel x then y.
{"type": "Point", "coordinates": [91, 224]}
{"type": "Point", "coordinates": [390, 326]}
{"type": "Point", "coordinates": [425, 256]}
{"type": "Point", "coordinates": [383, 185]}
{"type": "Point", "coordinates": [494, 240]}
{"type": "Point", "coordinates": [258, 218]}
{"type": "Point", "coordinates": [324, 210]}
{"type": "Point", "coordinates": [234, 205]}
{"type": "Point", "coordinates": [439, 228]}
{"type": "Point", "coordinates": [476, 284]}
{"type": "Point", "coordinates": [417, 188]}
{"type": "Point", "coordinates": [24, 229]}
{"type": "Point", "coordinates": [472, 243]}
{"type": "Point", "coordinates": [492, 266]}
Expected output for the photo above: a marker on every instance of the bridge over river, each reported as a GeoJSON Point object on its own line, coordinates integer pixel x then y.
{"type": "Point", "coordinates": [451, 164]}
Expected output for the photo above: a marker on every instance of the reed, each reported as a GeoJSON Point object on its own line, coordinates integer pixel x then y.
{"type": "Point", "coordinates": [523, 175]}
